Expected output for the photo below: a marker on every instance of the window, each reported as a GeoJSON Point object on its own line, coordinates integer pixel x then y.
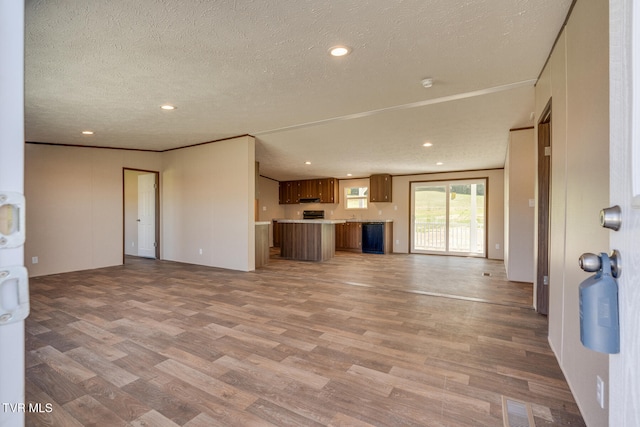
{"type": "Point", "coordinates": [356, 197]}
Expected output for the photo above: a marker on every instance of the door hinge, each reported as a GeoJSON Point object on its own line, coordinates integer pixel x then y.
{"type": "Point", "coordinates": [547, 151]}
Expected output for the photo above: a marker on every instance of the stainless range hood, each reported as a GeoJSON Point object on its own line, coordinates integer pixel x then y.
{"type": "Point", "coordinates": [309, 200]}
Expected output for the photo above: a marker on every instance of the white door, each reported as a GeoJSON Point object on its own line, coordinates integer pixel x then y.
{"type": "Point", "coordinates": [147, 215]}
{"type": "Point", "coordinates": [624, 182]}
{"type": "Point", "coordinates": [12, 366]}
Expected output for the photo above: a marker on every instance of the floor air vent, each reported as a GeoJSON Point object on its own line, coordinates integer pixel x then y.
{"type": "Point", "coordinates": [516, 413]}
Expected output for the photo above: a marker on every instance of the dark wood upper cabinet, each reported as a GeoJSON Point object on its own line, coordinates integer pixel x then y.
{"type": "Point", "coordinates": [289, 192]}
{"type": "Point", "coordinates": [380, 188]}
{"type": "Point", "coordinates": [324, 189]}
{"type": "Point", "coordinates": [328, 190]}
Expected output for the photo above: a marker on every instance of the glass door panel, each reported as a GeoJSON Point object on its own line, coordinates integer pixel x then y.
{"type": "Point", "coordinates": [430, 218]}
{"type": "Point", "coordinates": [466, 218]}
{"type": "Point", "coordinates": [448, 217]}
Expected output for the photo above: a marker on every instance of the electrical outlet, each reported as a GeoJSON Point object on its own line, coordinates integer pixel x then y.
{"type": "Point", "coordinates": [600, 391]}
{"type": "Point", "coordinates": [34, 260]}
{"type": "Point", "coordinates": [200, 251]}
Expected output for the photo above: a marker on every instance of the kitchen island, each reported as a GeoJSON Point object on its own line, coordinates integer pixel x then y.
{"type": "Point", "coordinates": [308, 239]}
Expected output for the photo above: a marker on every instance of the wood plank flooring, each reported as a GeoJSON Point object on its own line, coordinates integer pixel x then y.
{"type": "Point", "coordinates": [360, 340]}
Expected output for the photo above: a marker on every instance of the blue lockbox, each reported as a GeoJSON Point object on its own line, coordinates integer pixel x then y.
{"type": "Point", "coordinates": [599, 318]}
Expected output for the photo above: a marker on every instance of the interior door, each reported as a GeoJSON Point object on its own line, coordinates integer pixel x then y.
{"type": "Point", "coordinates": [12, 337]}
{"type": "Point", "coordinates": [624, 191]}
{"type": "Point", "coordinates": [544, 212]}
{"type": "Point", "coordinates": [147, 215]}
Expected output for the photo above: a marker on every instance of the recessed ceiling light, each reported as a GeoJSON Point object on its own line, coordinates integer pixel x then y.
{"type": "Point", "coordinates": [427, 83]}
{"type": "Point", "coordinates": [427, 144]}
{"type": "Point", "coordinates": [168, 107]}
{"type": "Point", "coordinates": [307, 163]}
{"type": "Point", "coordinates": [349, 174]}
{"type": "Point", "coordinates": [87, 132]}
{"type": "Point", "coordinates": [439, 164]}
{"type": "Point", "coordinates": [340, 51]}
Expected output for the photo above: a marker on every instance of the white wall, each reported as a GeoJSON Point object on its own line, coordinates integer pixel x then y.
{"type": "Point", "coordinates": [208, 204]}
{"type": "Point", "coordinates": [575, 79]}
{"type": "Point", "coordinates": [519, 182]}
{"type": "Point", "coordinates": [398, 209]}
{"type": "Point", "coordinates": [75, 205]}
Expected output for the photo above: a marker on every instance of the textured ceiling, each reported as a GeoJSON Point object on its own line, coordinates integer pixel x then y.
{"type": "Point", "coordinates": [261, 67]}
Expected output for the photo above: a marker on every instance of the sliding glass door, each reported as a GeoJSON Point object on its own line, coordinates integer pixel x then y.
{"type": "Point", "coordinates": [448, 217]}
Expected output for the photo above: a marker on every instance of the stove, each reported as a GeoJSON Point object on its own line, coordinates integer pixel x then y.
{"type": "Point", "coordinates": [312, 214]}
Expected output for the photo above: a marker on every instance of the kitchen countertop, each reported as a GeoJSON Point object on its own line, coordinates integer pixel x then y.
{"type": "Point", "coordinates": [368, 220]}
{"type": "Point", "coordinates": [312, 221]}
{"type": "Point", "coordinates": [332, 221]}
{"type": "Point", "coordinates": [262, 222]}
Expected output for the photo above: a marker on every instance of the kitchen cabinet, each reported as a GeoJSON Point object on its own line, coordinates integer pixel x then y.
{"type": "Point", "coordinates": [289, 192]}
{"type": "Point", "coordinates": [323, 189]}
{"type": "Point", "coordinates": [349, 236]}
{"type": "Point", "coordinates": [365, 236]}
{"type": "Point", "coordinates": [380, 188]}
{"type": "Point", "coordinates": [328, 190]}
{"type": "Point", "coordinates": [309, 188]}
{"type": "Point", "coordinates": [308, 240]}
{"type": "Point", "coordinates": [276, 234]}
{"type": "Point", "coordinates": [262, 244]}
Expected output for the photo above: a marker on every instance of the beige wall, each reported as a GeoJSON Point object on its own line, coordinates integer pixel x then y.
{"type": "Point", "coordinates": [575, 79]}
{"type": "Point", "coordinates": [74, 199]}
{"type": "Point", "coordinates": [519, 183]}
{"type": "Point", "coordinates": [75, 205]}
{"type": "Point", "coordinates": [208, 196]}
{"type": "Point", "coordinates": [398, 210]}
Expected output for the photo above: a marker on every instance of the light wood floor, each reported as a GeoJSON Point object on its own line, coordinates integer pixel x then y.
{"type": "Point", "coordinates": [383, 340]}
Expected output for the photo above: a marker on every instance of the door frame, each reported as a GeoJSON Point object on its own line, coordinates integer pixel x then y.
{"type": "Point", "coordinates": [157, 209]}
{"type": "Point", "coordinates": [448, 182]}
{"type": "Point", "coordinates": [12, 168]}
{"type": "Point", "coordinates": [544, 212]}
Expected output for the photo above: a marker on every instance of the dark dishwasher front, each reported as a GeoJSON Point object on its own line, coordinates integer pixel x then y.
{"type": "Point", "coordinates": [373, 237]}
